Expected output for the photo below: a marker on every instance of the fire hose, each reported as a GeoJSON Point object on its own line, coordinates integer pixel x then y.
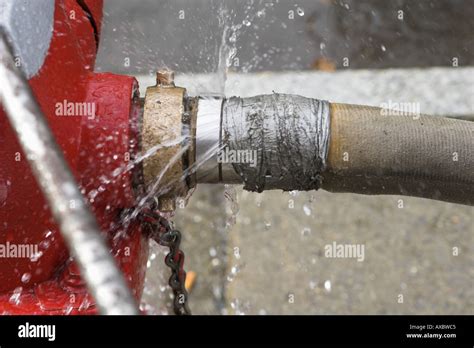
{"type": "Point", "coordinates": [306, 144]}
{"type": "Point", "coordinates": [290, 143]}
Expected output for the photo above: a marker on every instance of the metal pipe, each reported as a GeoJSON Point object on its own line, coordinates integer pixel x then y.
{"type": "Point", "coordinates": [76, 222]}
{"type": "Point", "coordinates": [210, 167]}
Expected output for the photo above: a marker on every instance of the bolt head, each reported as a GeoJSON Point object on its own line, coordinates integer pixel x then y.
{"type": "Point", "coordinates": [165, 78]}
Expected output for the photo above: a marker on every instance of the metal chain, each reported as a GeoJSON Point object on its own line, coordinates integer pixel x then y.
{"type": "Point", "coordinates": [163, 232]}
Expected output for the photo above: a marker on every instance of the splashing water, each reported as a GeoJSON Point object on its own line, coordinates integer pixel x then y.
{"type": "Point", "coordinates": [227, 49]}
{"type": "Point", "coordinates": [230, 34]}
{"type": "Point", "coordinates": [307, 209]}
{"type": "Point", "coordinates": [233, 272]}
{"type": "Point", "coordinates": [92, 195]}
{"type": "Point", "coordinates": [230, 194]}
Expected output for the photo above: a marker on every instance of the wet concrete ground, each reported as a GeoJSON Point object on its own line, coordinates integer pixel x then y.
{"type": "Point", "coordinates": [416, 248]}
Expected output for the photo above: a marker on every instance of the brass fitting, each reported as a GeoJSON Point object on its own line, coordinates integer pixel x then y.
{"type": "Point", "coordinates": [168, 131]}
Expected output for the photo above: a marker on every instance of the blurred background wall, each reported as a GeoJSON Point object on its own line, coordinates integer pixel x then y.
{"type": "Point", "coordinates": [287, 34]}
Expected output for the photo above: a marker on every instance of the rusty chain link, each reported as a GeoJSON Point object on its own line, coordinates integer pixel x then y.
{"type": "Point", "coordinates": [162, 231]}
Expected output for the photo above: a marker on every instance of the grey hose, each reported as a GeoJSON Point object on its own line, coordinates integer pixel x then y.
{"type": "Point", "coordinates": [371, 152]}
{"type": "Point", "coordinates": [306, 144]}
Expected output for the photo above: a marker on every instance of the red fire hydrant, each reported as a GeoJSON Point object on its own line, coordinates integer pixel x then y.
{"type": "Point", "coordinates": [93, 118]}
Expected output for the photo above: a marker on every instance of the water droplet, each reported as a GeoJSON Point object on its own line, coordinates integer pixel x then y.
{"type": "Point", "coordinates": [383, 48]}
{"type": "Point", "coordinates": [230, 194]}
{"type": "Point", "coordinates": [327, 285]}
{"type": "Point", "coordinates": [307, 209]}
{"type": "Point", "coordinates": [233, 272]}
{"type": "Point", "coordinates": [237, 253]}
{"type": "Point", "coordinates": [268, 224]}
{"type": "Point", "coordinates": [212, 252]}
{"type": "Point", "coordinates": [15, 297]}
{"type": "Point", "coordinates": [300, 11]}
{"type": "Point", "coordinates": [36, 256]}
{"type": "Point", "coordinates": [44, 244]}
{"type": "Point", "coordinates": [216, 291]}
{"type": "Point", "coordinates": [68, 309]}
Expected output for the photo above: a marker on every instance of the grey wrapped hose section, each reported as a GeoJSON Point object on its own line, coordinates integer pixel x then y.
{"type": "Point", "coordinates": [287, 134]}
{"type": "Point", "coordinates": [365, 150]}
